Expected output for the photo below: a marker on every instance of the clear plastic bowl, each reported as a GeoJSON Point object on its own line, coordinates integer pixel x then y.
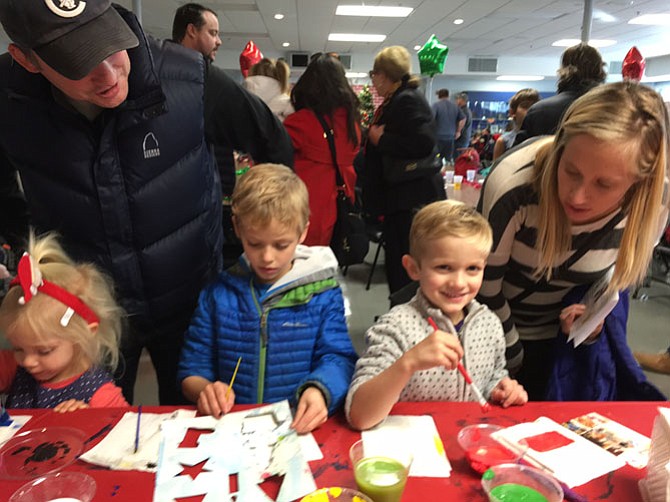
{"type": "Point", "coordinates": [481, 450]}
{"type": "Point", "coordinates": [507, 482]}
{"type": "Point", "coordinates": [60, 486]}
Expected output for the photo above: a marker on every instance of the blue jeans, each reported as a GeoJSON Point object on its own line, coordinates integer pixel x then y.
{"type": "Point", "coordinates": [446, 148]}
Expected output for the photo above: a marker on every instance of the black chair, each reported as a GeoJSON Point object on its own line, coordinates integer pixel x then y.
{"type": "Point", "coordinates": [374, 231]}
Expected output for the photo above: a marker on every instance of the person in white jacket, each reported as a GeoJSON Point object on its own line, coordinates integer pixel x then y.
{"type": "Point", "coordinates": [268, 79]}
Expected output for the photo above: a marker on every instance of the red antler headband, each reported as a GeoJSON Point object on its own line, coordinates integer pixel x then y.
{"type": "Point", "coordinates": [30, 279]}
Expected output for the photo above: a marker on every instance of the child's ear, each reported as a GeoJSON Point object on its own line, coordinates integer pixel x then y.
{"type": "Point", "coordinates": [94, 327]}
{"type": "Point", "coordinates": [411, 266]}
{"type": "Point", "coordinates": [235, 226]}
{"type": "Point", "coordinates": [303, 236]}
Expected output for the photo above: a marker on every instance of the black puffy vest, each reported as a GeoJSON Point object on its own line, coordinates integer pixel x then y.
{"type": "Point", "coordinates": [136, 191]}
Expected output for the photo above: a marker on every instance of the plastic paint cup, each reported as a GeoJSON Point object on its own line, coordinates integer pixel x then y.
{"type": "Point", "coordinates": [512, 491]}
{"type": "Point", "coordinates": [448, 176]}
{"type": "Point", "coordinates": [381, 476]}
{"type": "Point", "coordinates": [470, 175]}
{"type": "Point", "coordinates": [458, 179]}
{"type": "Point", "coordinates": [481, 450]}
{"type": "Point", "coordinates": [512, 482]}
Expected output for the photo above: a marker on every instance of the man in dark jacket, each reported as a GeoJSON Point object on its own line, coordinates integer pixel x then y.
{"type": "Point", "coordinates": [582, 68]}
{"type": "Point", "coordinates": [106, 128]}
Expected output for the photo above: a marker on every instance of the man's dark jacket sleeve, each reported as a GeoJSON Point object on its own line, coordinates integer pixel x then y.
{"type": "Point", "coordinates": [237, 119]}
{"type": "Point", "coordinates": [13, 208]}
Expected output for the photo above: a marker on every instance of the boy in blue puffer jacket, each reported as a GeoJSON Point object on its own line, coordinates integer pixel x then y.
{"type": "Point", "coordinates": [280, 309]}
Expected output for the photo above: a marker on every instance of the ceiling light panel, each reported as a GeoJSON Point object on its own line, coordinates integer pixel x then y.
{"type": "Point", "coordinates": [355, 37]}
{"type": "Point", "coordinates": [372, 11]}
{"type": "Point", "coordinates": [652, 20]}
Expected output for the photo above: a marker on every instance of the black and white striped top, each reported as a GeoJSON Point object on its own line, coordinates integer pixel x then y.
{"type": "Point", "coordinates": [529, 308]}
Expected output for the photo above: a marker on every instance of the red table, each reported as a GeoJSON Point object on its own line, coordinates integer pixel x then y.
{"type": "Point", "coordinates": [335, 437]}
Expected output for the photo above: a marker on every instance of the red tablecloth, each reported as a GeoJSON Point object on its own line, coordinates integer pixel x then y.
{"type": "Point", "coordinates": [335, 437]}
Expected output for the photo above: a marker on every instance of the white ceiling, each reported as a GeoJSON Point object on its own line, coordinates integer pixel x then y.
{"type": "Point", "coordinates": [501, 28]}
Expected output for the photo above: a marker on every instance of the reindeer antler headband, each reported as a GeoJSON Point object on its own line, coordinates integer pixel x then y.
{"type": "Point", "coordinates": [30, 279]}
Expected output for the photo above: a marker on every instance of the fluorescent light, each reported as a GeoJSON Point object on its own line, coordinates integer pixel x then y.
{"type": "Point", "coordinates": [458, 21]}
{"type": "Point", "coordinates": [652, 19]}
{"type": "Point", "coordinates": [285, 44]}
{"type": "Point", "coordinates": [603, 16]}
{"type": "Point", "coordinates": [521, 78]}
{"type": "Point", "coordinates": [372, 10]}
{"type": "Point", "coordinates": [569, 42]}
{"type": "Point", "coordinates": [417, 47]}
{"type": "Point", "coordinates": [355, 37]}
{"type": "Point", "coordinates": [657, 78]}
{"type": "Point", "coordinates": [355, 74]}
{"type": "Point", "coordinates": [279, 17]}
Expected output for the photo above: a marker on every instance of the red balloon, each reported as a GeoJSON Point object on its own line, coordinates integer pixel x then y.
{"type": "Point", "coordinates": [633, 65]}
{"type": "Point", "coordinates": [249, 57]}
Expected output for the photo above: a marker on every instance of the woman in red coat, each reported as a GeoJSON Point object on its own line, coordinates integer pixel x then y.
{"type": "Point", "coordinates": [324, 89]}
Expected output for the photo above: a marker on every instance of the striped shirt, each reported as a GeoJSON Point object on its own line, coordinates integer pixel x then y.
{"type": "Point", "coordinates": [529, 307]}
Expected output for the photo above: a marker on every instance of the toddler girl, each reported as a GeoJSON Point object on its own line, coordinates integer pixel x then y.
{"type": "Point", "coordinates": [63, 324]}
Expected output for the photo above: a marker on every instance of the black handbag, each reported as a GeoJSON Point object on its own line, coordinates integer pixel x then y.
{"type": "Point", "coordinates": [350, 242]}
{"type": "Point", "coordinates": [398, 170]}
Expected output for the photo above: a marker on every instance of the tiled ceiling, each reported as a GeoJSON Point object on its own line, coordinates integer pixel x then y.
{"type": "Point", "coordinates": [491, 27]}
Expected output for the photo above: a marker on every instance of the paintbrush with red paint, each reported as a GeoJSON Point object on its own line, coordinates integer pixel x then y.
{"type": "Point", "coordinates": [485, 406]}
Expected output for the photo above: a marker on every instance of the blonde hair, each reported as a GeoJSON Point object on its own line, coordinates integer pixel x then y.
{"type": "Point", "coordinates": [448, 218]}
{"type": "Point", "coordinates": [277, 70]}
{"type": "Point", "coordinates": [623, 113]}
{"type": "Point", "coordinates": [271, 192]}
{"type": "Point", "coordinates": [395, 62]}
{"type": "Point", "coordinates": [42, 313]}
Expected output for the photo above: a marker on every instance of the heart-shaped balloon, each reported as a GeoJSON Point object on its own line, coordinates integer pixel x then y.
{"type": "Point", "coordinates": [633, 65]}
{"type": "Point", "coordinates": [432, 57]}
{"type": "Point", "coordinates": [249, 57]}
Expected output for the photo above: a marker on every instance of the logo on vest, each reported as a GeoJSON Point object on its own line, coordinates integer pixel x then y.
{"type": "Point", "coordinates": [66, 8]}
{"type": "Point", "coordinates": [150, 146]}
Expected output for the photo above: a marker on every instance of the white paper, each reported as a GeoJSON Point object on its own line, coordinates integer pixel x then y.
{"type": "Point", "coordinates": [253, 444]}
{"type": "Point", "coordinates": [598, 306]}
{"type": "Point", "coordinates": [616, 438]}
{"type": "Point", "coordinates": [117, 449]}
{"type": "Point", "coordinates": [575, 464]}
{"type": "Point", "coordinates": [8, 431]}
{"type": "Point", "coordinates": [416, 433]}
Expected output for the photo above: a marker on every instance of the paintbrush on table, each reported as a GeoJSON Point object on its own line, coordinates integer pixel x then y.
{"type": "Point", "coordinates": [137, 428]}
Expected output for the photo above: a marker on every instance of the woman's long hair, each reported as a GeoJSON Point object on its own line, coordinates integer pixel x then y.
{"type": "Point", "coordinates": [624, 113]}
{"type": "Point", "coordinates": [323, 88]}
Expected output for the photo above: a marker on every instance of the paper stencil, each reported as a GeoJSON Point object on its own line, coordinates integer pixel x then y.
{"type": "Point", "coordinates": [254, 444]}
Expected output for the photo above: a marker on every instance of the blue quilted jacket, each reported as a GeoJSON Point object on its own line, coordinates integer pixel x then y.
{"type": "Point", "coordinates": [291, 336]}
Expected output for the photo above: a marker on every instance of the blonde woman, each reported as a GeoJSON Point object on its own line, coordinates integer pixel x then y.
{"type": "Point", "coordinates": [565, 209]}
{"type": "Point", "coordinates": [269, 80]}
{"type": "Point", "coordinates": [402, 127]}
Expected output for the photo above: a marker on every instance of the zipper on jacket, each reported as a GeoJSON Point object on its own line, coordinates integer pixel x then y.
{"type": "Point", "coordinates": [261, 358]}
{"type": "Point", "coordinates": [262, 351]}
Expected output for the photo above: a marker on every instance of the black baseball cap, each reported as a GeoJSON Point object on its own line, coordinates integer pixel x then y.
{"type": "Point", "coordinates": [71, 36]}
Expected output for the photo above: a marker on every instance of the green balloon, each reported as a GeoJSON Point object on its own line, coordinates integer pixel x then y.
{"type": "Point", "coordinates": [432, 57]}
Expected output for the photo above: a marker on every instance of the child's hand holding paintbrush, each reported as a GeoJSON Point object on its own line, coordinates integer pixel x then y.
{"type": "Point", "coordinates": [214, 398]}
{"type": "Point", "coordinates": [507, 392]}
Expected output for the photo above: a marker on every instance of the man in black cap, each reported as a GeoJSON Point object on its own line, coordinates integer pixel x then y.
{"type": "Point", "coordinates": [105, 126]}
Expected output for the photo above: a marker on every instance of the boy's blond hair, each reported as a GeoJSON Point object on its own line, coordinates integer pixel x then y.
{"type": "Point", "coordinates": [42, 314]}
{"type": "Point", "coordinates": [271, 192]}
{"type": "Point", "coordinates": [448, 218]}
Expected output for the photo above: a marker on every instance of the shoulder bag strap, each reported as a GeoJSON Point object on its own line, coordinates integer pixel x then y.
{"type": "Point", "coordinates": [328, 134]}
